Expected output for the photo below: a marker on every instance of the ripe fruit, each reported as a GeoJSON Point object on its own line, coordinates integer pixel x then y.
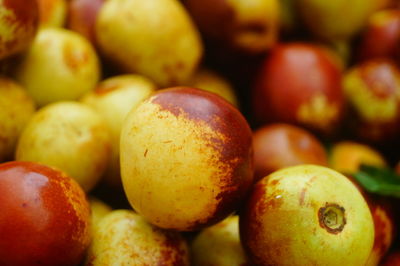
{"type": "Point", "coordinates": [381, 37]}
{"type": "Point", "coordinates": [52, 12]}
{"type": "Point", "coordinates": [69, 136]}
{"type": "Point", "coordinates": [98, 209]}
{"type": "Point", "coordinates": [281, 145]}
{"type": "Point", "coordinates": [19, 20]}
{"type": "Point", "coordinates": [306, 215]}
{"type": "Point", "coordinates": [112, 99]}
{"type": "Point", "coordinates": [373, 92]}
{"type": "Point", "coordinates": [162, 43]}
{"type": "Point", "coordinates": [186, 158]}
{"type": "Point", "coordinates": [347, 157]}
{"type": "Point", "coordinates": [249, 26]}
{"type": "Point", "coordinates": [60, 65]}
{"type": "Point", "coordinates": [16, 108]}
{"type": "Point", "coordinates": [44, 218]}
{"type": "Point", "coordinates": [300, 83]}
{"type": "Point", "coordinates": [123, 237]}
{"type": "Point", "coordinates": [219, 245]}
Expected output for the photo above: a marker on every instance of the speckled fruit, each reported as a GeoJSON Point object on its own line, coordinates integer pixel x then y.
{"type": "Point", "coordinates": [69, 136]}
{"type": "Point", "coordinates": [44, 218]}
{"type": "Point", "coordinates": [186, 158]}
{"type": "Point", "coordinates": [210, 81]}
{"type": "Point", "coordinates": [373, 92]}
{"type": "Point", "coordinates": [112, 99]}
{"type": "Point", "coordinates": [219, 245]}
{"type": "Point", "coordinates": [52, 12]}
{"type": "Point", "coordinates": [16, 108]}
{"type": "Point", "coordinates": [162, 43]}
{"type": "Point", "coordinates": [300, 83]}
{"type": "Point", "coordinates": [60, 65]}
{"type": "Point", "coordinates": [281, 145]}
{"type": "Point", "coordinates": [19, 20]}
{"type": "Point", "coordinates": [125, 238]}
{"type": "Point", "coordinates": [249, 25]}
{"type": "Point", "coordinates": [306, 215]}
{"type": "Point", "coordinates": [347, 157]}
{"type": "Point", "coordinates": [82, 16]}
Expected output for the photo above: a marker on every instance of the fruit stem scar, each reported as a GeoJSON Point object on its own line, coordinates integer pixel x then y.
{"type": "Point", "coordinates": [332, 218]}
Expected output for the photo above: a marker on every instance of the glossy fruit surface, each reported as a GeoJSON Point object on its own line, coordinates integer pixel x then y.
{"type": "Point", "coordinates": [44, 218]}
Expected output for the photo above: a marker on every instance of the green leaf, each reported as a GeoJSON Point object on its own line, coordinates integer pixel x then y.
{"type": "Point", "coordinates": [382, 181]}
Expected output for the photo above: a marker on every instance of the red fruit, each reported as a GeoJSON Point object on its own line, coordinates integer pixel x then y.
{"type": "Point", "coordinates": [382, 36]}
{"type": "Point", "coordinates": [300, 83]}
{"type": "Point", "coordinates": [44, 218]}
{"type": "Point", "coordinates": [282, 145]}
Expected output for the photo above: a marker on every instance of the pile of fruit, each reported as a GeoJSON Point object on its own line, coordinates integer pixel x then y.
{"type": "Point", "coordinates": [199, 132]}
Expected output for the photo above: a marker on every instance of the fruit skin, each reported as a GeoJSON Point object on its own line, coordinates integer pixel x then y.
{"type": "Point", "coordinates": [16, 108]}
{"type": "Point", "coordinates": [347, 156]}
{"type": "Point", "coordinates": [45, 217]}
{"type": "Point", "coordinates": [300, 83]}
{"type": "Point", "coordinates": [69, 136]}
{"type": "Point", "coordinates": [248, 25]}
{"type": "Point", "coordinates": [186, 158]}
{"type": "Point", "coordinates": [98, 209]}
{"type": "Point", "coordinates": [52, 12]}
{"type": "Point", "coordinates": [82, 16]}
{"type": "Point", "coordinates": [372, 89]}
{"type": "Point", "coordinates": [295, 217]}
{"type": "Point", "coordinates": [60, 65]}
{"type": "Point", "coordinates": [325, 18]}
{"type": "Point", "coordinates": [19, 20]}
{"type": "Point", "coordinates": [281, 145]}
{"type": "Point", "coordinates": [125, 238]}
{"type": "Point", "coordinates": [112, 99]}
{"type": "Point", "coordinates": [219, 245]}
{"type": "Point", "coordinates": [381, 38]}
{"type": "Point", "coordinates": [162, 44]}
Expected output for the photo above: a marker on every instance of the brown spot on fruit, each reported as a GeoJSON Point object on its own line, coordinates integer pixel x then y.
{"type": "Point", "coordinates": [332, 218]}
{"type": "Point", "coordinates": [74, 58]}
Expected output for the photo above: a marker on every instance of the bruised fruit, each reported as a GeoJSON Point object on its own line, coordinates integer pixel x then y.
{"type": "Point", "coordinates": [186, 158]}
{"type": "Point", "coordinates": [347, 157]}
{"type": "Point", "coordinates": [210, 81]}
{"type": "Point", "coordinates": [19, 20]}
{"type": "Point", "coordinates": [16, 108]}
{"type": "Point", "coordinates": [219, 245]}
{"type": "Point", "coordinates": [281, 145]}
{"type": "Point", "coordinates": [69, 136]}
{"type": "Point", "coordinates": [112, 99]}
{"type": "Point", "coordinates": [82, 16]}
{"type": "Point", "coordinates": [300, 83]}
{"type": "Point", "coordinates": [44, 218]}
{"type": "Point", "coordinates": [52, 12]}
{"type": "Point", "coordinates": [155, 38]}
{"type": "Point", "coordinates": [306, 215]}
{"type": "Point", "coordinates": [373, 92]}
{"type": "Point", "coordinates": [125, 238]}
{"type": "Point", "coordinates": [249, 25]}
{"type": "Point", "coordinates": [60, 65]}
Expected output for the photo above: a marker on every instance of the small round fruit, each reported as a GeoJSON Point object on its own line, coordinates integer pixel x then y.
{"type": "Point", "coordinates": [281, 145]}
{"type": "Point", "coordinates": [125, 238]}
{"type": "Point", "coordinates": [300, 84]}
{"type": "Point", "coordinates": [186, 158]}
{"type": "Point", "coordinates": [44, 218]}
{"type": "Point", "coordinates": [60, 65]}
{"type": "Point", "coordinates": [69, 136]}
{"type": "Point", "coordinates": [347, 157]}
{"type": "Point", "coordinates": [19, 20]}
{"type": "Point", "coordinates": [52, 12]}
{"type": "Point", "coordinates": [98, 209]}
{"type": "Point", "coordinates": [112, 99]}
{"type": "Point", "coordinates": [16, 108]}
{"type": "Point", "coordinates": [210, 81]}
{"type": "Point", "coordinates": [306, 215]}
{"type": "Point", "coordinates": [219, 245]}
{"type": "Point", "coordinates": [373, 92]}
{"type": "Point", "coordinates": [155, 38]}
